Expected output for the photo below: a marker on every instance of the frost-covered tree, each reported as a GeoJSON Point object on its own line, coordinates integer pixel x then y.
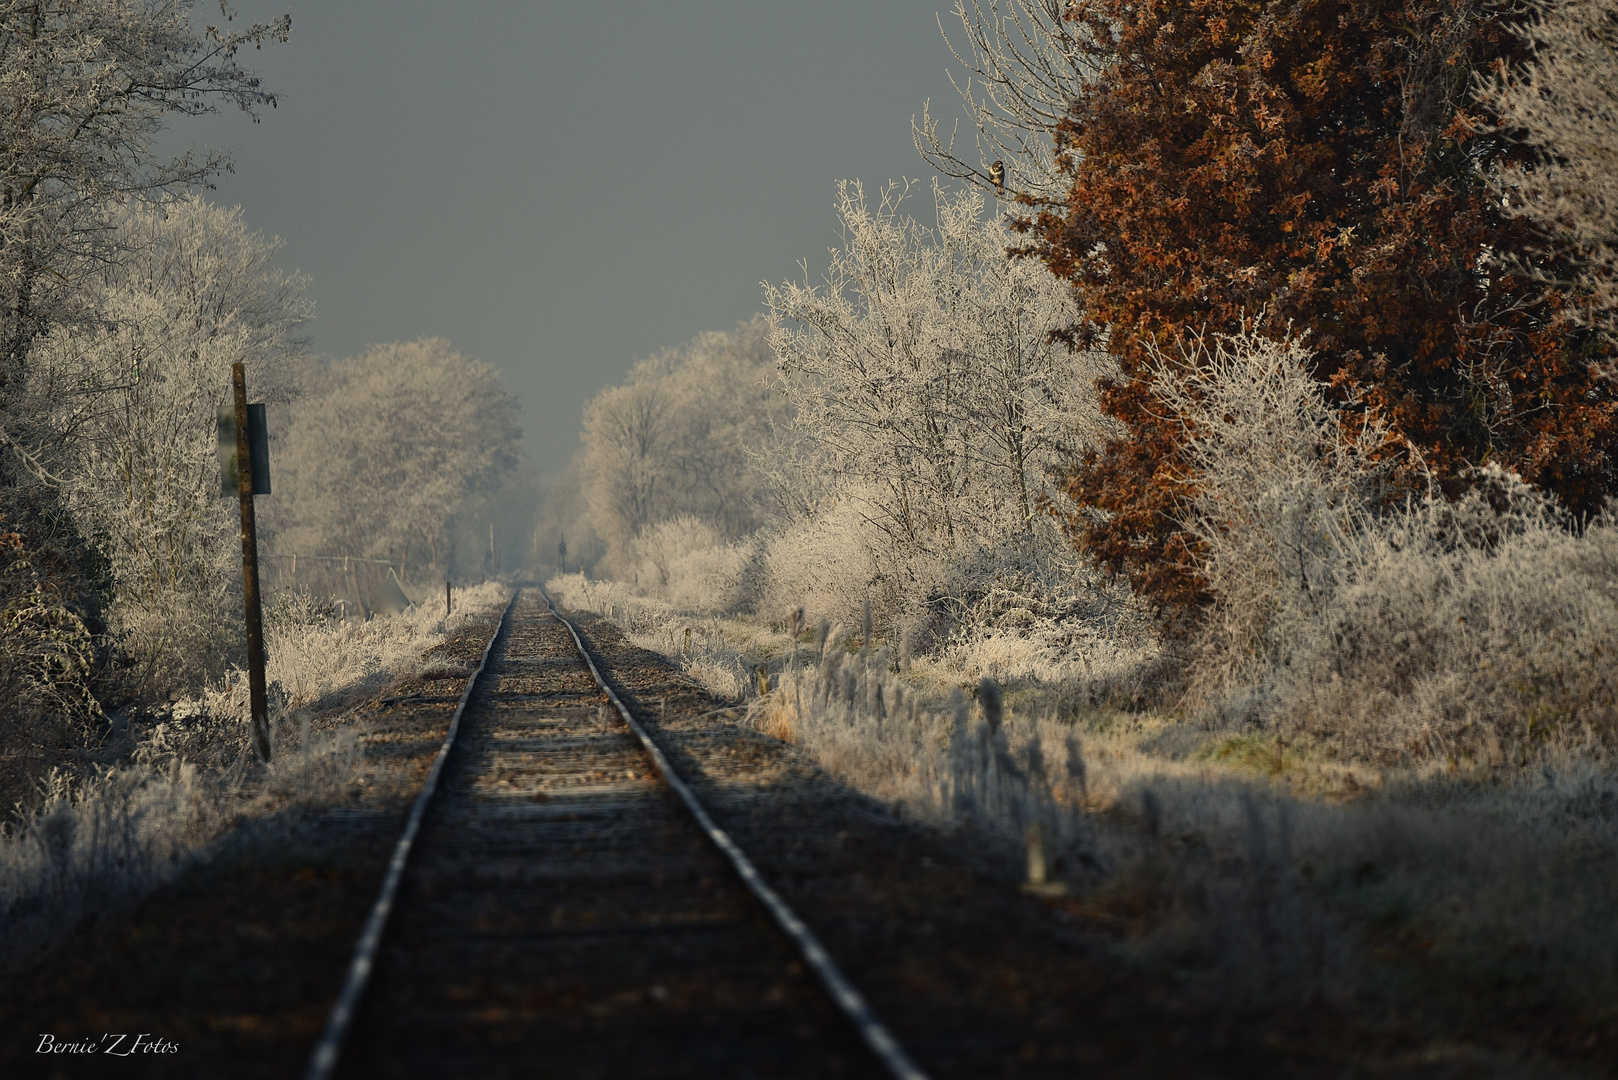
{"type": "Point", "coordinates": [1280, 490]}
{"type": "Point", "coordinates": [124, 412]}
{"type": "Point", "coordinates": [389, 452]}
{"type": "Point", "coordinates": [1563, 102]}
{"type": "Point", "coordinates": [85, 88]}
{"type": "Point", "coordinates": [1022, 69]}
{"type": "Point", "coordinates": [674, 441]}
{"type": "Point", "coordinates": [926, 384]}
{"type": "Point", "coordinates": [630, 434]}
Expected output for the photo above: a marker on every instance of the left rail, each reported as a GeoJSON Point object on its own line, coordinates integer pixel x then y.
{"type": "Point", "coordinates": [324, 1059]}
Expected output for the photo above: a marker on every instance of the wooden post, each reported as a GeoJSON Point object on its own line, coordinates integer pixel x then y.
{"type": "Point", "coordinates": [446, 597]}
{"type": "Point", "coordinates": [258, 701]}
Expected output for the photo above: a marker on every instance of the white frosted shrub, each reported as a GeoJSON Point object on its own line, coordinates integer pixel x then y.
{"type": "Point", "coordinates": [1466, 636]}
{"type": "Point", "coordinates": [715, 580]}
{"type": "Point", "coordinates": [1476, 632]}
{"type": "Point", "coordinates": [1562, 101]}
{"type": "Point", "coordinates": [116, 836]}
{"type": "Point", "coordinates": [830, 563]}
{"type": "Point", "coordinates": [320, 662]}
{"type": "Point", "coordinates": [661, 545]}
{"type": "Point", "coordinates": [1033, 609]}
{"type": "Point", "coordinates": [1282, 492]}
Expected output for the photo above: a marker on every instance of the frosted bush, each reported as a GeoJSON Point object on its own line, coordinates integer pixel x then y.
{"type": "Point", "coordinates": [1559, 100]}
{"type": "Point", "coordinates": [318, 661]}
{"type": "Point", "coordinates": [660, 546]}
{"type": "Point", "coordinates": [1465, 636]}
{"type": "Point", "coordinates": [688, 562]}
{"type": "Point", "coordinates": [1283, 488]}
{"type": "Point", "coordinates": [178, 639]}
{"type": "Point", "coordinates": [715, 580]}
{"type": "Point", "coordinates": [1035, 610]}
{"type": "Point", "coordinates": [829, 563]}
{"type": "Point", "coordinates": [120, 834]}
{"type": "Point", "coordinates": [1475, 632]}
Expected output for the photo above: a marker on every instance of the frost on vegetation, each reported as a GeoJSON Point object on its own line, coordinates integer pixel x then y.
{"type": "Point", "coordinates": [1281, 493]}
{"type": "Point", "coordinates": [1478, 636]}
{"type": "Point", "coordinates": [898, 452]}
{"type": "Point", "coordinates": [667, 454]}
{"type": "Point", "coordinates": [1228, 910]}
{"type": "Point", "coordinates": [117, 413]}
{"type": "Point", "coordinates": [1475, 634]}
{"type": "Point", "coordinates": [1037, 611]}
{"type": "Point", "coordinates": [1024, 69]}
{"type": "Point", "coordinates": [691, 563]}
{"type": "Point", "coordinates": [722, 654]}
{"type": "Point", "coordinates": [1398, 717]}
{"type": "Point", "coordinates": [1560, 100]}
{"type": "Point", "coordinates": [1245, 890]}
{"type": "Point", "coordinates": [101, 841]}
{"type": "Point", "coordinates": [931, 403]}
{"type": "Point", "coordinates": [393, 454]}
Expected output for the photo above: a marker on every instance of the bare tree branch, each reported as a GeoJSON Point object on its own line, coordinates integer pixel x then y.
{"type": "Point", "coordinates": [1024, 68]}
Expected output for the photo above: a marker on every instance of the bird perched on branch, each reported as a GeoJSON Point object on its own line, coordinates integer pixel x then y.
{"type": "Point", "coordinates": [997, 176]}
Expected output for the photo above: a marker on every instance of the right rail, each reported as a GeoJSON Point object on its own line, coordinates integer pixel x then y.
{"type": "Point", "coordinates": [843, 993]}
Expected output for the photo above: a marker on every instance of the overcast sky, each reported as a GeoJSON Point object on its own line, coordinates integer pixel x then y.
{"type": "Point", "coordinates": [563, 188]}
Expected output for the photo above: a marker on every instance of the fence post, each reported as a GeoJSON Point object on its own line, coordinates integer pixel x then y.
{"type": "Point", "coordinates": [258, 702]}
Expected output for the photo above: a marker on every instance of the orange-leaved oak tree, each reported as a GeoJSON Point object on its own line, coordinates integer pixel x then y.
{"type": "Point", "coordinates": [1310, 167]}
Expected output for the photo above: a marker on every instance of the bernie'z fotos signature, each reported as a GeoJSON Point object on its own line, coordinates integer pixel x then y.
{"type": "Point", "coordinates": [116, 1045]}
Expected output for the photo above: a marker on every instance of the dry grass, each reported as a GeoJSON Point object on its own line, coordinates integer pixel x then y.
{"type": "Point", "coordinates": [101, 842]}
{"type": "Point", "coordinates": [722, 653]}
{"type": "Point", "coordinates": [1262, 866]}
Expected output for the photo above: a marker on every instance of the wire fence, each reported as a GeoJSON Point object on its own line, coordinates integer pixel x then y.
{"type": "Point", "coordinates": [358, 586]}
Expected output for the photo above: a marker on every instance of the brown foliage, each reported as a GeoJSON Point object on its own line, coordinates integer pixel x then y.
{"type": "Point", "coordinates": [1313, 164]}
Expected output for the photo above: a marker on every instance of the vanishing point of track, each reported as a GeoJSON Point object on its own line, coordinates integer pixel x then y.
{"type": "Point", "coordinates": [561, 905]}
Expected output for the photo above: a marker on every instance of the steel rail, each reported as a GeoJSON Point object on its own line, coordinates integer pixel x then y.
{"type": "Point", "coordinates": [324, 1058]}
{"type": "Point", "coordinates": [843, 992]}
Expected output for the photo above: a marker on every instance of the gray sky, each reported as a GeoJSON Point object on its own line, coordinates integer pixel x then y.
{"type": "Point", "coordinates": [560, 189]}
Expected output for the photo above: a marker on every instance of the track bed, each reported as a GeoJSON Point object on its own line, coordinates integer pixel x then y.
{"type": "Point", "coordinates": [562, 913]}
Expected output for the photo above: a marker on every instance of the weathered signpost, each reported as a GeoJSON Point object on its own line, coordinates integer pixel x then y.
{"type": "Point", "coordinates": [244, 471]}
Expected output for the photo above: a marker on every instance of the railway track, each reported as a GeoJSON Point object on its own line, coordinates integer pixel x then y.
{"type": "Point", "coordinates": [568, 909]}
